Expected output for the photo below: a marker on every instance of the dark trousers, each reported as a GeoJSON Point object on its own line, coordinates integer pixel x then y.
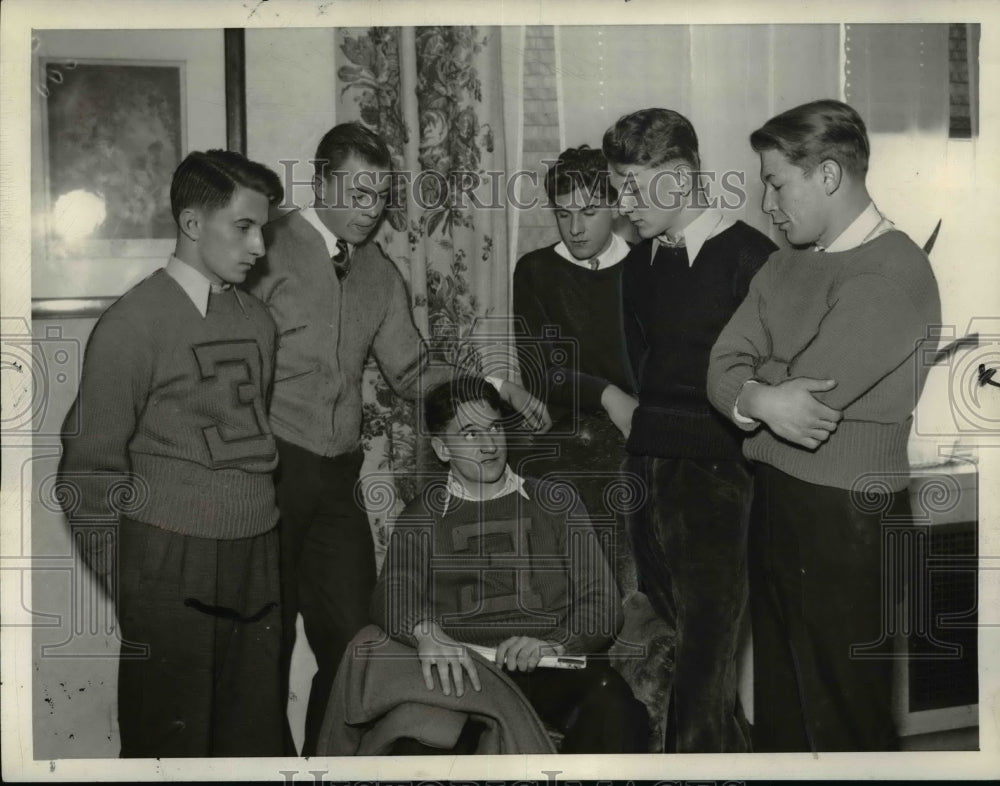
{"type": "Point", "coordinates": [689, 542]}
{"type": "Point", "coordinates": [593, 708]}
{"type": "Point", "coordinates": [816, 578]}
{"type": "Point", "coordinates": [327, 565]}
{"type": "Point", "coordinates": [207, 610]}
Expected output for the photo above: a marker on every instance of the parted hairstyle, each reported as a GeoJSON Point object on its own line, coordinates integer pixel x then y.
{"type": "Point", "coordinates": [209, 179]}
{"type": "Point", "coordinates": [580, 168]}
{"type": "Point", "coordinates": [442, 401]}
{"type": "Point", "coordinates": [651, 137]}
{"type": "Point", "coordinates": [812, 133]}
{"type": "Point", "coordinates": [347, 139]}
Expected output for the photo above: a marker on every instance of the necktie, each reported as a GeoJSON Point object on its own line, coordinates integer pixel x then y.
{"type": "Point", "coordinates": [670, 242]}
{"type": "Point", "coordinates": [341, 260]}
{"type": "Point", "coordinates": [594, 263]}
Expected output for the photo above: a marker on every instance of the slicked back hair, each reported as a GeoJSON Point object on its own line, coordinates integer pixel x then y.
{"type": "Point", "coordinates": [209, 179]}
{"type": "Point", "coordinates": [812, 133]}
{"type": "Point", "coordinates": [651, 137]}
{"type": "Point", "coordinates": [350, 139]}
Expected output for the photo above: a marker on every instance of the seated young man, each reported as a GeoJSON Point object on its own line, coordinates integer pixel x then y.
{"type": "Point", "coordinates": [575, 286]}
{"type": "Point", "coordinates": [511, 564]}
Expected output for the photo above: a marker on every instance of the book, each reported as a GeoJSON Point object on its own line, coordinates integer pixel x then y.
{"type": "Point", "coordinates": [546, 662]}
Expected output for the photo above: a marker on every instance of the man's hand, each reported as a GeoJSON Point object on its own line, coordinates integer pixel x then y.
{"type": "Point", "coordinates": [437, 649]}
{"type": "Point", "coordinates": [535, 413]}
{"type": "Point", "coordinates": [791, 411]}
{"type": "Point", "coordinates": [619, 405]}
{"type": "Point", "coordinates": [522, 653]}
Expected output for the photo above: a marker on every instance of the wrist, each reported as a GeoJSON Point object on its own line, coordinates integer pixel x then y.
{"type": "Point", "coordinates": [608, 393]}
{"type": "Point", "coordinates": [426, 629]}
{"type": "Point", "coordinates": [748, 402]}
{"type": "Point", "coordinates": [557, 649]}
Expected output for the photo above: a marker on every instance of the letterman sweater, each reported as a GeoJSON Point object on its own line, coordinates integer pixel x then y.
{"type": "Point", "coordinates": [179, 401]}
{"type": "Point", "coordinates": [489, 570]}
{"type": "Point", "coordinates": [856, 316]}
{"type": "Point", "coordinates": [673, 314]}
{"type": "Point", "coordinates": [326, 329]}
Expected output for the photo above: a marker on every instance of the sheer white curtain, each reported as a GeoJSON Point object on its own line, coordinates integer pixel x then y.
{"type": "Point", "coordinates": [727, 79]}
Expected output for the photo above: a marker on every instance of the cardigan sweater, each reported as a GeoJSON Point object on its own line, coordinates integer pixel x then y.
{"type": "Point", "coordinates": [489, 570]}
{"type": "Point", "coordinates": [327, 327]}
{"type": "Point", "coordinates": [179, 401]}
{"type": "Point", "coordinates": [574, 347]}
{"type": "Point", "coordinates": [673, 314]}
{"type": "Point", "coordinates": [858, 317]}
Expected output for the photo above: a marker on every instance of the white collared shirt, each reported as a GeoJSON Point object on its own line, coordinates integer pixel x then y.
{"type": "Point", "coordinates": [310, 215]}
{"type": "Point", "coordinates": [511, 482]}
{"type": "Point", "coordinates": [707, 225]}
{"type": "Point", "coordinates": [616, 251]}
{"type": "Point", "coordinates": [194, 283]}
{"type": "Point", "coordinates": [867, 226]}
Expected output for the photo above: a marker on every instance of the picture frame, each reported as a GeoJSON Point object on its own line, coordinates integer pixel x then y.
{"type": "Point", "coordinates": [113, 132]}
{"type": "Point", "coordinates": [86, 88]}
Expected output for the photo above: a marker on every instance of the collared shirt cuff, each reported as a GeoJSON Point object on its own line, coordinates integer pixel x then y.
{"type": "Point", "coordinates": [496, 382]}
{"type": "Point", "coordinates": [737, 416]}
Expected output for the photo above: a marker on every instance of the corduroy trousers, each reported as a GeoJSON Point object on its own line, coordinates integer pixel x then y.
{"type": "Point", "coordinates": [689, 543]}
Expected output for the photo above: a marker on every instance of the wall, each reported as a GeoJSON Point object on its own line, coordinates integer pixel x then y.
{"type": "Point", "coordinates": [111, 267]}
{"type": "Point", "coordinates": [286, 114]}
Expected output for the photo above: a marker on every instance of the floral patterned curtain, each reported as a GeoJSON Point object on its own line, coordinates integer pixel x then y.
{"type": "Point", "coordinates": [433, 94]}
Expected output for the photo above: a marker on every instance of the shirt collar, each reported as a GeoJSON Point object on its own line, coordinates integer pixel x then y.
{"type": "Point", "coordinates": [706, 225]}
{"type": "Point", "coordinates": [310, 215]}
{"type": "Point", "coordinates": [616, 251]}
{"type": "Point", "coordinates": [511, 482]}
{"type": "Point", "coordinates": [867, 226]}
{"type": "Point", "coordinates": [194, 283]}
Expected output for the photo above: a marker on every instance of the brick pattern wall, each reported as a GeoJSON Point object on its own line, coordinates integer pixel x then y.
{"type": "Point", "coordinates": [536, 227]}
{"type": "Point", "coordinates": [960, 120]}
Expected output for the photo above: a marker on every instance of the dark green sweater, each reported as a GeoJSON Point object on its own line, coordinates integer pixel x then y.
{"type": "Point", "coordinates": [179, 401]}
{"type": "Point", "coordinates": [486, 571]}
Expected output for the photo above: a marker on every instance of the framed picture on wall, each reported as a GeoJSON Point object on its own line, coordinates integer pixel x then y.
{"type": "Point", "coordinates": [112, 117]}
{"type": "Point", "coordinates": [114, 131]}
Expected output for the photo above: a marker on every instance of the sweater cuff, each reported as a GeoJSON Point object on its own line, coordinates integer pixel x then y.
{"type": "Point", "coordinates": [590, 389]}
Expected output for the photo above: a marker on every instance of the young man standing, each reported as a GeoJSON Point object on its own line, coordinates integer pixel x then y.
{"type": "Point", "coordinates": [818, 363]}
{"type": "Point", "coordinates": [574, 287]}
{"type": "Point", "coordinates": [173, 400]}
{"type": "Point", "coordinates": [336, 297]}
{"type": "Point", "coordinates": [511, 568]}
{"type": "Point", "coordinates": [680, 286]}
